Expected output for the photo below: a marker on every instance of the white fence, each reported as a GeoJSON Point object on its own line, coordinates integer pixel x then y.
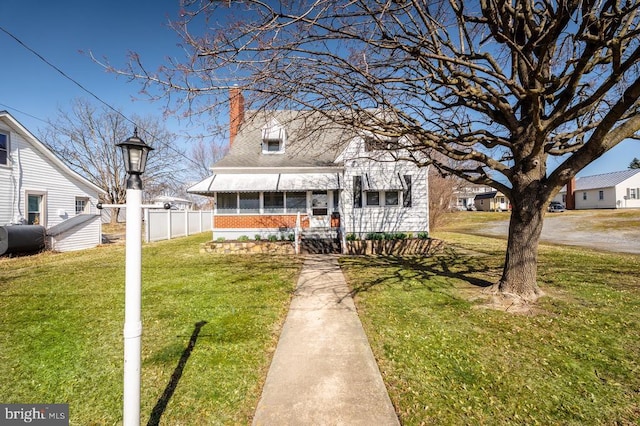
{"type": "Point", "coordinates": [163, 224]}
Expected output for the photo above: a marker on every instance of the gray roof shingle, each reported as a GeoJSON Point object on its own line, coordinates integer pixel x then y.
{"type": "Point", "coordinates": [312, 141]}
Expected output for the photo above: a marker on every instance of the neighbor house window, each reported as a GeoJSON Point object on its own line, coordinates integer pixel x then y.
{"type": "Point", "coordinates": [4, 148]}
{"type": "Point", "coordinates": [584, 195]}
{"type": "Point", "coordinates": [34, 209]}
{"type": "Point", "coordinates": [296, 202]}
{"type": "Point", "coordinates": [391, 198]}
{"type": "Point", "coordinates": [249, 202]}
{"type": "Point", "coordinates": [600, 195]}
{"type": "Point", "coordinates": [82, 205]}
{"type": "Point", "coordinates": [226, 203]}
{"type": "Point", "coordinates": [633, 194]}
{"type": "Point", "coordinates": [373, 198]}
{"type": "Point", "coordinates": [273, 202]}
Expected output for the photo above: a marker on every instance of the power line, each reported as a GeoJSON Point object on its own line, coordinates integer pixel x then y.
{"type": "Point", "coordinates": [65, 75]}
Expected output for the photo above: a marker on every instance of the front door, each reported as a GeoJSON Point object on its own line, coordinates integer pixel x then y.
{"type": "Point", "coordinates": [319, 209]}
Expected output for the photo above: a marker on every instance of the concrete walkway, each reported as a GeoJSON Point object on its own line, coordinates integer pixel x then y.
{"type": "Point", "coordinates": [323, 371]}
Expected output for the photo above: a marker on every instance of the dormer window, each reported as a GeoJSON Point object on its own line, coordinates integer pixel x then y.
{"type": "Point", "coordinates": [273, 138]}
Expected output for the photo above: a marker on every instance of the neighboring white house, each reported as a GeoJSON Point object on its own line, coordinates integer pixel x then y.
{"type": "Point", "coordinates": [464, 196]}
{"type": "Point", "coordinates": [36, 187]}
{"type": "Point", "coordinates": [616, 190]}
{"type": "Point", "coordinates": [278, 167]}
{"type": "Point", "coordinates": [176, 202]}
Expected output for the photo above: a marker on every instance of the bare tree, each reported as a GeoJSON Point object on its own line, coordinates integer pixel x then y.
{"type": "Point", "coordinates": [86, 137]}
{"type": "Point", "coordinates": [499, 87]}
{"type": "Point", "coordinates": [203, 155]}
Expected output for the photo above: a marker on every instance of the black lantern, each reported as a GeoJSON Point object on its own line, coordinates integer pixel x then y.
{"type": "Point", "coordinates": [134, 152]}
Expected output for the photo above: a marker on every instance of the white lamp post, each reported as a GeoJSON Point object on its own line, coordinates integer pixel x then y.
{"type": "Point", "coordinates": [135, 152]}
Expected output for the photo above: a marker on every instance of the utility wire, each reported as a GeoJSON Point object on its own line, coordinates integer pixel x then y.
{"type": "Point", "coordinates": [65, 75]}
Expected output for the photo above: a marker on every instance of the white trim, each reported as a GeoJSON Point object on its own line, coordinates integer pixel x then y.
{"type": "Point", "coordinates": [42, 148]}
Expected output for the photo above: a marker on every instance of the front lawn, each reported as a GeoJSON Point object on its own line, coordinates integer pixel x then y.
{"type": "Point", "coordinates": [446, 360]}
{"type": "Point", "coordinates": [61, 319]}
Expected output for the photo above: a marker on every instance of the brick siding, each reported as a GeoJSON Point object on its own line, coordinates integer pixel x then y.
{"type": "Point", "coordinates": [257, 221]}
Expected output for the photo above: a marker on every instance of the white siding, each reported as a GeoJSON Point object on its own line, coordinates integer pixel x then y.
{"type": "Point", "coordinates": [623, 192]}
{"type": "Point", "coordinates": [593, 200]}
{"type": "Point", "coordinates": [33, 171]}
{"type": "Point", "coordinates": [384, 173]}
{"type": "Point", "coordinates": [85, 236]}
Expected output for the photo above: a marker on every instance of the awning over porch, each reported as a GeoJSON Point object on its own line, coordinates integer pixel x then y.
{"type": "Point", "coordinates": [309, 182]}
{"type": "Point", "coordinates": [267, 182]}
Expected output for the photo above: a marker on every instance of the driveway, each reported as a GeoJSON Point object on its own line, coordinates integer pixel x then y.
{"type": "Point", "coordinates": [578, 230]}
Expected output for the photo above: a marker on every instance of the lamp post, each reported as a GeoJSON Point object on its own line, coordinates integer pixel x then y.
{"type": "Point", "coordinates": [135, 152]}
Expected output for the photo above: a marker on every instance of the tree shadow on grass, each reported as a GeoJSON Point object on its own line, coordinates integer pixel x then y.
{"type": "Point", "coordinates": [161, 405]}
{"type": "Point", "coordinates": [406, 271]}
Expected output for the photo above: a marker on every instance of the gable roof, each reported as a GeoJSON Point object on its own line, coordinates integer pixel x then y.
{"type": "Point", "coordinates": [486, 195]}
{"type": "Point", "coordinates": [44, 150]}
{"type": "Point", "coordinates": [311, 141]}
{"type": "Point", "coordinates": [604, 180]}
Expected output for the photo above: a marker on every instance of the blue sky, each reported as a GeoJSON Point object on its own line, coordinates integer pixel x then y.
{"type": "Point", "coordinates": [64, 32]}
{"type": "Point", "coordinates": [61, 30]}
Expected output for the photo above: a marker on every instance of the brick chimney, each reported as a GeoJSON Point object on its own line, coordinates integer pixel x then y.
{"type": "Point", "coordinates": [571, 195]}
{"type": "Point", "coordinates": [236, 112]}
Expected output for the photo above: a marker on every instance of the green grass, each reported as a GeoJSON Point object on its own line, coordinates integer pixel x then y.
{"type": "Point", "coordinates": [575, 360]}
{"type": "Point", "coordinates": [61, 319]}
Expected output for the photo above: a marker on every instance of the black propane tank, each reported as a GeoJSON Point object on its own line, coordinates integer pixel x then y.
{"type": "Point", "coordinates": [22, 239]}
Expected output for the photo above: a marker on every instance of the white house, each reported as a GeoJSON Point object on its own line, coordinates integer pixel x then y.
{"type": "Point", "coordinates": [176, 202]}
{"type": "Point", "coordinates": [37, 188]}
{"type": "Point", "coordinates": [464, 195]}
{"type": "Point", "coordinates": [279, 167]}
{"type": "Point", "coordinates": [616, 190]}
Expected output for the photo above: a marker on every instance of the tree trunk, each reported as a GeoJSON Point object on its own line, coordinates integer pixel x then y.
{"type": "Point", "coordinates": [115, 212]}
{"type": "Point", "coordinates": [519, 277]}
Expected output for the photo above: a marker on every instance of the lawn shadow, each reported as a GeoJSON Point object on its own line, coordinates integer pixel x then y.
{"type": "Point", "coordinates": [406, 271]}
{"type": "Point", "coordinates": [161, 405]}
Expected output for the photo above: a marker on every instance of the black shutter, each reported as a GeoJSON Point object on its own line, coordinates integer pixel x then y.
{"type": "Point", "coordinates": [357, 191]}
{"type": "Point", "coordinates": [406, 191]}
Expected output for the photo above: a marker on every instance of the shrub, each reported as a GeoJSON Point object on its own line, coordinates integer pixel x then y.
{"type": "Point", "coordinates": [399, 236]}
{"type": "Point", "coordinates": [243, 238]}
{"type": "Point", "coordinates": [351, 237]}
{"type": "Point", "coordinates": [273, 238]}
{"type": "Point", "coordinates": [257, 237]}
{"type": "Point", "coordinates": [374, 236]}
{"type": "Point", "coordinates": [423, 235]}
{"type": "Point", "coordinates": [291, 236]}
{"type": "Point", "coordinates": [220, 239]}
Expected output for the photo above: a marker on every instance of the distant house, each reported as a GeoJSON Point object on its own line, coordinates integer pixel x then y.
{"type": "Point", "coordinates": [176, 203]}
{"type": "Point", "coordinates": [285, 163]}
{"type": "Point", "coordinates": [616, 190]}
{"type": "Point", "coordinates": [464, 196]}
{"type": "Point", "coordinates": [37, 188]}
{"type": "Point", "coordinates": [492, 201]}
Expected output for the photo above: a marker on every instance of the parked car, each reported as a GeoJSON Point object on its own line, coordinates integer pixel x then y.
{"type": "Point", "coordinates": [556, 207]}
